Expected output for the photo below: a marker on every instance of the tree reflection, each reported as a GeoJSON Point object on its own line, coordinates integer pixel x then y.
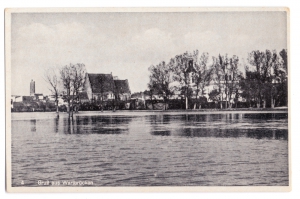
{"type": "Point", "coordinates": [227, 125]}
{"type": "Point", "coordinates": [33, 125]}
{"type": "Point", "coordinates": [161, 133]}
{"type": "Point", "coordinates": [96, 125]}
{"type": "Point", "coordinates": [224, 133]}
{"type": "Point", "coordinates": [56, 121]}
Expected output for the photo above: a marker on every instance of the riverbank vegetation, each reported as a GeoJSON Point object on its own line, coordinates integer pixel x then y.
{"type": "Point", "coordinates": [191, 76]}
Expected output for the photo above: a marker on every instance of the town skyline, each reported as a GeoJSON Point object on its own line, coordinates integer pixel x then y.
{"type": "Point", "coordinates": [115, 42]}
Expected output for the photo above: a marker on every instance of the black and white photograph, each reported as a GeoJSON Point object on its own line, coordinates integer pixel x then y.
{"type": "Point", "coordinates": [147, 99]}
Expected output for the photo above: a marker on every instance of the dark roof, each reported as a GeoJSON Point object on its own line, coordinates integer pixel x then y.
{"type": "Point", "coordinates": [101, 83]}
{"type": "Point", "coordinates": [122, 86]}
{"type": "Point", "coordinates": [83, 95]}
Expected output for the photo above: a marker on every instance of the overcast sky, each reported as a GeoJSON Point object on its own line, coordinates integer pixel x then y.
{"type": "Point", "coordinates": [126, 44]}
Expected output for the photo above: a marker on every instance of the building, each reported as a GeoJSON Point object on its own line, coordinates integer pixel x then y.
{"type": "Point", "coordinates": [104, 87]}
{"type": "Point", "coordinates": [27, 99]}
{"type": "Point", "coordinates": [32, 88]}
{"type": "Point", "coordinates": [38, 97]}
{"type": "Point", "coordinates": [122, 89]}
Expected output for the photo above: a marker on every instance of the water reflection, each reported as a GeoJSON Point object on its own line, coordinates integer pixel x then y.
{"type": "Point", "coordinates": [162, 133]}
{"type": "Point", "coordinates": [56, 121]}
{"type": "Point", "coordinates": [33, 125]}
{"type": "Point", "coordinates": [225, 133]}
{"type": "Point", "coordinates": [95, 125]}
{"type": "Point", "coordinates": [258, 126]}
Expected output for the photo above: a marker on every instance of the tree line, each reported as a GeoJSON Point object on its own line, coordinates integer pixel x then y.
{"type": "Point", "coordinates": [190, 74]}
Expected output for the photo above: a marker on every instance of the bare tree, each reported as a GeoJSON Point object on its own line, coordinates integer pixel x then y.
{"type": "Point", "coordinates": [72, 77]}
{"type": "Point", "coordinates": [77, 81]}
{"type": "Point", "coordinates": [66, 75]}
{"type": "Point", "coordinates": [52, 79]}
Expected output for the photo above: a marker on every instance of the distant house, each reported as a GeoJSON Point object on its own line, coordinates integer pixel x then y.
{"type": "Point", "coordinates": [138, 95]}
{"type": "Point", "coordinates": [16, 98]}
{"type": "Point", "coordinates": [105, 87]}
{"type": "Point", "coordinates": [38, 96]}
{"type": "Point", "coordinates": [51, 98]}
{"type": "Point", "coordinates": [122, 89]}
{"type": "Point", "coordinates": [146, 95]}
{"type": "Point", "coordinates": [27, 98]}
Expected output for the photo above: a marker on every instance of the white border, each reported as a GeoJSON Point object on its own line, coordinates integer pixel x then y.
{"type": "Point", "coordinates": [295, 44]}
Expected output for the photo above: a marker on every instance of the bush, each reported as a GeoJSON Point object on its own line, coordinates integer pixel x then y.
{"type": "Point", "coordinates": [62, 108]}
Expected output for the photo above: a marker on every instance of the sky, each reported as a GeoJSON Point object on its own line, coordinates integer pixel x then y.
{"type": "Point", "coordinates": [126, 44]}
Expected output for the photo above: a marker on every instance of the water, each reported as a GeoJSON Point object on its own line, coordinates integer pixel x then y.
{"type": "Point", "coordinates": [151, 149]}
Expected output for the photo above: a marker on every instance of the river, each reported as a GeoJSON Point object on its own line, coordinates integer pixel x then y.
{"type": "Point", "coordinates": [151, 148]}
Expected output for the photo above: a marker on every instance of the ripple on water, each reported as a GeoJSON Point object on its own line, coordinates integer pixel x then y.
{"type": "Point", "coordinates": [152, 149]}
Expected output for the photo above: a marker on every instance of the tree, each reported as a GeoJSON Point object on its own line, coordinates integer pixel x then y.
{"type": "Point", "coordinates": [77, 81]}
{"type": "Point", "coordinates": [202, 75]}
{"type": "Point", "coordinates": [223, 64]}
{"type": "Point", "coordinates": [266, 81]}
{"type": "Point", "coordinates": [65, 74]}
{"type": "Point", "coordinates": [52, 79]}
{"type": "Point", "coordinates": [233, 78]}
{"type": "Point", "coordinates": [284, 60]}
{"type": "Point", "coordinates": [160, 79]}
{"type": "Point", "coordinates": [262, 74]}
{"type": "Point", "coordinates": [283, 74]}
{"type": "Point", "coordinates": [72, 77]}
{"type": "Point", "coordinates": [217, 77]}
{"type": "Point", "coordinates": [153, 88]}
{"type": "Point", "coordinates": [179, 66]}
{"type": "Point", "coordinates": [214, 95]}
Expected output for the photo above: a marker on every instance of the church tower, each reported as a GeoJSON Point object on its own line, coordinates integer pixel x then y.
{"type": "Point", "coordinates": [32, 88]}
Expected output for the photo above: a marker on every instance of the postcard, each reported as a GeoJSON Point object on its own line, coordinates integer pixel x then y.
{"type": "Point", "coordinates": [147, 99]}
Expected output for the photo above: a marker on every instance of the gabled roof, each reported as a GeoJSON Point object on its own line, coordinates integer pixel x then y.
{"type": "Point", "coordinates": [101, 83]}
{"type": "Point", "coordinates": [122, 86]}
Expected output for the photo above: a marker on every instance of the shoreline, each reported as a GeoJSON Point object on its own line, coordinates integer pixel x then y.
{"type": "Point", "coordinates": [140, 113]}
{"type": "Point", "coordinates": [174, 110]}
